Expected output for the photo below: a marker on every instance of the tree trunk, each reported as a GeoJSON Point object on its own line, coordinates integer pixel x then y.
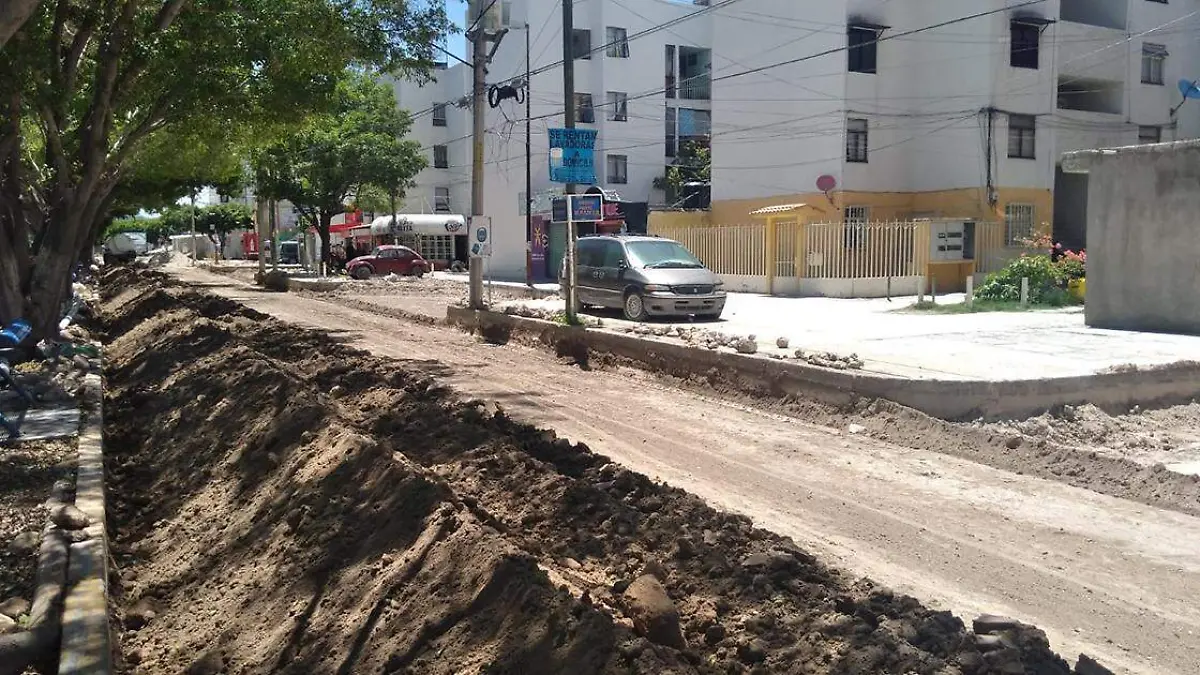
{"type": "Point", "coordinates": [323, 220]}
{"type": "Point", "coordinates": [13, 15]}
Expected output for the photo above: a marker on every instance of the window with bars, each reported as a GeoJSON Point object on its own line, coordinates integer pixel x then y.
{"type": "Point", "coordinates": [1154, 57]}
{"type": "Point", "coordinates": [618, 43]}
{"type": "Point", "coordinates": [857, 218]}
{"type": "Point", "coordinates": [436, 246]}
{"type": "Point", "coordinates": [856, 140]}
{"type": "Point", "coordinates": [1022, 136]}
{"type": "Point", "coordinates": [584, 110]}
{"type": "Point", "coordinates": [441, 157]}
{"type": "Point", "coordinates": [618, 169]}
{"type": "Point", "coordinates": [1018, 224]}
{"type": "Point", "coordinates": [618, 106]}
{"type": "Point", "coordinates": [441, 200]}
{"type": "Point", "coordinates": [1148, 135]}
{"type": "Point", "coordinates": [439, 115]}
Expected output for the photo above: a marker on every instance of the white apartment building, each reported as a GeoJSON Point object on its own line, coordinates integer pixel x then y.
{"type": "Point", "coordinates": [964, 119]}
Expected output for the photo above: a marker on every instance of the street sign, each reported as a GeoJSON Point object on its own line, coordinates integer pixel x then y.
{"type": "Point", "coordinates": [586, 208]}
{"type": "Point", "coordinates": [571, 156]}
{"type": "Point", "coordinates": [480, 228]}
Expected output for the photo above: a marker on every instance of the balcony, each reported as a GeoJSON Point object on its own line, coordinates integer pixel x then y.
{"type": "Point", "coordinates": [1091, 95]}
{"type": "Point", "coordinates": [1100, 13]}
{"type": "Point", "coordinates": [688, 73]}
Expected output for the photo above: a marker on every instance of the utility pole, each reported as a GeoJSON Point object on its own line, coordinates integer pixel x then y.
{"type": "Point", "coordinates": [480, 57]}
{"type": "Point", "coordinates": [195, 251]}
{"type": "Point", "coordinates": [528, 164]}
{"type": "Point", "coordinates": [568, 32]}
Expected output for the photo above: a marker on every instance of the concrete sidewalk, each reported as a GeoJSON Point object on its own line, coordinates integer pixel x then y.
{"type": "Point", "coordinates": [983, 346]}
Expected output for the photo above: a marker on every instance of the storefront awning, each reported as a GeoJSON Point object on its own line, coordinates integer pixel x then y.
{"type": "Point", "coordinates": [420, 223]}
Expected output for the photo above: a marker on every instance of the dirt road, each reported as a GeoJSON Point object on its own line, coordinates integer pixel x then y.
{"type": "Point", "coordinates": [1103, 576]}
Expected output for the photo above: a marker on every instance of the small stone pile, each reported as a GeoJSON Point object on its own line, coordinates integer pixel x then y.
{"type": "Point", "coordinates": [748, 344]}
{"type": "Point", "coordinates": [552, 315]}
{"type": "Point", "coordinates": [830, 360]}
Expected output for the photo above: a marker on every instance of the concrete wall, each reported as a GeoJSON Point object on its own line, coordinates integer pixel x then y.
{"type": "Point", "coordinates": [1143, 252]}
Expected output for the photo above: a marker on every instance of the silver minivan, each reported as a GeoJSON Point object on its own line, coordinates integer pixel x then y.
{"type": "Point", "coordinates": [644, 276]}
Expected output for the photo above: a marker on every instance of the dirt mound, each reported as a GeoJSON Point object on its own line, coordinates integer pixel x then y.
{"type": "Point", "coordinates": [284, 504]}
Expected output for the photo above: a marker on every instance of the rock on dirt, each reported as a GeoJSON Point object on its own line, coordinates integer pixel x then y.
{"type": "Point", "coordinates": [26, 542]}
{"type": "Point", "coordinates": [654, 615]}
{"type": "Point", "coordinates": [68, 517]}
{"type": "Point", "coordinates": [14, 608]}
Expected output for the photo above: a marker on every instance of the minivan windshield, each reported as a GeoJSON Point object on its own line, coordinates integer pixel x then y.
{"type": "Point", "coordinates": [661, 255]}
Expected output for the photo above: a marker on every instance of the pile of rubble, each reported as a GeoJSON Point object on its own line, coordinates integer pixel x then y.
{"type": "Point", "coordinates": [747, 344]}
{"type": "Point", "coordinates": [552, 315]}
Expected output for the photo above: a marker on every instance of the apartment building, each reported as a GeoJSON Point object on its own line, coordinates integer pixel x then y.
{"type": "Point", "coordinates": [965, 119]}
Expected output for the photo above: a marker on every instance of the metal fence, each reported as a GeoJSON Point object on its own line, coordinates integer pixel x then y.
{"type": "Point", "coordinates": [835, 250]}
{"type": "Point", "coordinates": [864, 250]}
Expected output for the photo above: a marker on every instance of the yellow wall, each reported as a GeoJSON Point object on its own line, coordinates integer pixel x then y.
{"type": "Point", "coordinates": [967, 203]}
{"type": "Point", "coordinates": [672, 219]}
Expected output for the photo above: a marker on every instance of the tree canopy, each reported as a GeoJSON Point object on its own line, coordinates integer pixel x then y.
{"type": "Point", "coordinates": [88, 88]}
{"type": "Point", "coordinates": [334, 157]}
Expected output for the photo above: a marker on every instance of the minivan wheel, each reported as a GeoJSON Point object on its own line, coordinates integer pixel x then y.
{"type": "Point", "coordinates": [635, 307]}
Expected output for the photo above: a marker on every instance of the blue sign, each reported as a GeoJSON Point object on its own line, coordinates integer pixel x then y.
{"type": "Point", "coordinates": [572, 158]}
{"type": "Point", "coordinates": [1189, 88]}
{"type": "Point", "coordinates": [587, 208]}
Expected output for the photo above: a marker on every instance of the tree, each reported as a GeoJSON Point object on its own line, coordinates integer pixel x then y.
{"type": "Point", "coordinates": [335, 156]}
{"type": "Point", "coordinates": [13, 15]}
{"type": "Point", "coordinates": [691, 170]}
{"type": "Point", "coordinates": [85, 85]}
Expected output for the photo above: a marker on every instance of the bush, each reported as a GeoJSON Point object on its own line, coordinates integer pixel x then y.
{"type": "Point", "coordinates": [1046, 282]}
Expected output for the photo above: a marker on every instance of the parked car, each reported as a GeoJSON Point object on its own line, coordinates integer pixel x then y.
{"type": "Point", "coordinates": [400, 260]}
{"type": "Point", "coordinates": [645, 276]}
{"type": "Point", "coordinates": [124, 247]}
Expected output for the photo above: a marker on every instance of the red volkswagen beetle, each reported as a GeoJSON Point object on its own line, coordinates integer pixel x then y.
{"type": "Point", "coordinates": [400, 260]}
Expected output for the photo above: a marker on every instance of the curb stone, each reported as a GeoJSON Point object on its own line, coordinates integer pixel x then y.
{"type": "Point", "coordinates": [952, 400]}
{"type": "Point", "coordinates": [86, 638]}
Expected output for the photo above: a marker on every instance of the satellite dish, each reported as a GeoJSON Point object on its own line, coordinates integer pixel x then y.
{"type": "Point", "coordinates": [826, 183]}
{"type": "Point", "coordinates": [1189, 88]}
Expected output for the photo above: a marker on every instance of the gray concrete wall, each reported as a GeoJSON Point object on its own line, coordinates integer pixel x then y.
{"type": "Point", "coordinates": [1144, 238]}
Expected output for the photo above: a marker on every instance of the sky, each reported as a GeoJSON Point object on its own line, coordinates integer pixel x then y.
{"type": "Point", "coordinates": [457, 11]}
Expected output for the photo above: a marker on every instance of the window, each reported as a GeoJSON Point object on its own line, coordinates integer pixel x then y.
{"type": "Point", "coordinates": [584, 111]}
{"type": "Point", "coordinates": [672, 142]}
{"type": "Point", "coordinates": [856, 140]}
{"type": "Point", "coordinates": [436, 246]}
{"type": "Point", "coordinates": [506, 13]}
{"type": "Point", "coordinates": [441, 157]}
{"type": "Point", "coordinates": [618, 169]}
{"type": "Point", "coordinates": [1022, 136]}
{"type": "Point", "coordinates": [1153, 58]}
{"type": "Point", "coordinates": [618, 106]}
{"type": "Point", "coordinates": [1026, 39]}
{"type": "Point", "coordinates": [857, 218]}
{"type": "Point", "coordinates": [1018, 224]}
{"type": "Point", "coordinates": [581, 43]}
{"type": "Point", "coordinates": [669, 88]}
{"type": "Point", "coordinates": [614, 255]}
{"type": "Point", "coordinates": [439, 115]}
{"type": "Point", "coordinates": [441, 200]}
{"type": "Point", "coordinates": [1148, 135]}
{"type": "Point", "coordinates": [618, 43]}
{"type": "Point", "coordinates": [863, 49]}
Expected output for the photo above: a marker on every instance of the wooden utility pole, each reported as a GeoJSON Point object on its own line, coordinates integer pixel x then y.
{"type": "Point", "coordinates": [478, 111]}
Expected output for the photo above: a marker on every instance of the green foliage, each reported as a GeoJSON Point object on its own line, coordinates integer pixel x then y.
{"type": "Point", "coordinates": [692, 165]}
{"type": "Point", "coordinates": [336, 156]}
{"type": "Point", "coordinates": [178, 220]}
{"type": "Point", "coordinates": [1047, 282]}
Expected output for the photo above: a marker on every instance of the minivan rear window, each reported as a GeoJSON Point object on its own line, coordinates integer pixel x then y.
{"type": "Point", "coordinates": [661, 255]}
